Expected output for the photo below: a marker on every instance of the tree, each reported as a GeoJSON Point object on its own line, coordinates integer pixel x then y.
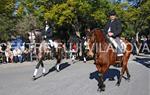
{"type": "Point", "coordinates": [7, 21]}
{"type": "Point", "coordinates": [78, 13]}
{"type": "Point", "coordinates": [134, 19]}
{"type": "Point", "coordinates": [7, 7]}
{"type": "Point", "coordinates": [27, 24]}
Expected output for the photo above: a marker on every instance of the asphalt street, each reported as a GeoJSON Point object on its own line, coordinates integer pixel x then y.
{"type": "Point", "coordinates": [76, 78]}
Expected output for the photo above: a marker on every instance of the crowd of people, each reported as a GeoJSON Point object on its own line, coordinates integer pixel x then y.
{"type": "Point", "coordinates": [29, 52]}
{"type": "Point", "coordinates": [13, 55]}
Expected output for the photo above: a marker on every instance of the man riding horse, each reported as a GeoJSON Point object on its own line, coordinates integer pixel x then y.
{"type": "Point", "coordinates": [113, 30]}
{"type": "Point", "coordinates": [104, 55]}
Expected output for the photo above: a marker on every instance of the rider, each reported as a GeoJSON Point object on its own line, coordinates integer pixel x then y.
{"type": "Point", "coordinates": [113, 29]}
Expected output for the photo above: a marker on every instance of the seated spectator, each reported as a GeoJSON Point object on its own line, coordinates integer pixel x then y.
{"type": "Point", "coordinates": [9, 53]}
{"type": "Point", "coordinates": [1, 55]}
{"type": "Point", "coordinates": [19, 55]}
{"type": "Point", "coordinates": [26, 54]}
{"type": "Point", "coordinates": [15, 55]}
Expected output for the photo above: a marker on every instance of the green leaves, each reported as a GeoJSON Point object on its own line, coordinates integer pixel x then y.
{"type": "Point", "coordinates": [7, 6]}
{"type": "Point", "coordinates": [60, 13]}
{"type": "Point", "coordinates": [100, 16]}
{"type": "Point", "coordinates": [77, 14]}
{"type": "Point", "coordinates": [27, 24]}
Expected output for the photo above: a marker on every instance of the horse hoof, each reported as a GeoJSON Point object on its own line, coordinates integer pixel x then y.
{"type": "Point", "coordinates": [43, 74]}
{"type": "Point", "coordinates": [101, 89]}
{"type": "Point", "coordinates": [33, 78]}
{"type": "Point", "coordinates": [98, 90]}
{"type": "Point", "coordinates": [57, 70]}
{"type": "Point", "coordinates": [117, 84]}
{"type": "Point", "coordinates": [111, 79]}
{"type": "Point", "coordinates": [128, 79]}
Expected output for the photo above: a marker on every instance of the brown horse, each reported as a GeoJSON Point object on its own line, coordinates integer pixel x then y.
{"type": "Point", "coordinates": [106, 56]}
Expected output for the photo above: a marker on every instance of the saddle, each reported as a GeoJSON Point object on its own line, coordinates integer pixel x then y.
{"type": "Point", "coordinates": [114, 44]}
{"type": "Point", "coordinates": [119, 59]}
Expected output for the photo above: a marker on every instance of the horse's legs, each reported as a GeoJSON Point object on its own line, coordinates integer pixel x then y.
{"type": "Point", "coordinates": [57, 67]}
{"type": "Point", "coordinates": [42, 65]}
{"type": "Point", "coordinates": [121, 75]}
{"type": "Point", "coordinates": [58, 63]}
{"type": "Point", "coordinates": [84, 59]}
{"type": "Point", "coordinates": [101, 85]}
{"type": "Point", "coordinates": [7, 59]}
{"type": "Point", "coordinates": [128, 74]}
{"type": "Point", "coordinates": [37, 67]}
{"type": "Point", "coordinates": [124, 68]}
{"type": "Point", "coordinates": [126, 65]}
{"type": "Point", "coordinates": [102, 69]}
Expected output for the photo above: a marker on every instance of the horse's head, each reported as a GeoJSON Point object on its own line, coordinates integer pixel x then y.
{"type": "Point", "coordinates": [94, 36]}
{"type": "Point", "coordinates": [90, 39]}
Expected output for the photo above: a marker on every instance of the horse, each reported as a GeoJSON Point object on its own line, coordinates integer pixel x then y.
{"type": "Point", "coordinates": [105, 56]}
{"type": "Point", "coordinates": [43, 50]}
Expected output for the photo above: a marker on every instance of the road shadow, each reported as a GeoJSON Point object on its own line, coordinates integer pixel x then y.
{"type": "Point", "coordinates": [111, 73]}
{"type": "Point", "coordinates": [64, 65]}
{"type": "Point", "coordinates": [61, 67]}
{"type": "Point", "coordinates": [144, 61]}
{"type": "Point", "coordinates": [37, 77]}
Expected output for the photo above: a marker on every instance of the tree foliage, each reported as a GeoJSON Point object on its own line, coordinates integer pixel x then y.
{"type": "Point", "coordinates": [7, 21]}
{"type": "Point", "coordinates": [20, 16]}
{"type": "Point", "coordinates": [27, 24]}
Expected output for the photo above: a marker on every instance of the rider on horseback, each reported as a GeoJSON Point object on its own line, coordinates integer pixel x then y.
{"type": "Point", "coordinates": [113, 29]}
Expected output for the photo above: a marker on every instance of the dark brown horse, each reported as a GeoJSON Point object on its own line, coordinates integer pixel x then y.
{"type": "Point", "coordinates": [42, 52]}
{"type": "Point", "coordinates": [105, 56]}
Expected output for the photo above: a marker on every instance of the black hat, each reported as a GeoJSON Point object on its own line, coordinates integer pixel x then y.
{"type": "Point", "coordinates": [112, 13]}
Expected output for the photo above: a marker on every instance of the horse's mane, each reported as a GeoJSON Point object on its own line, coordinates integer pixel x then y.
{"type": "Point", "coordinates": [100, 35]}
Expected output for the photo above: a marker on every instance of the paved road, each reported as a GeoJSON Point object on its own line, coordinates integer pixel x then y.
{"type": "Point", "coordinates": [74, 79]}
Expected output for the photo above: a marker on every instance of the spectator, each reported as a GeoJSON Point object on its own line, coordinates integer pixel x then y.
{"type": "Point", "coordinates": [19, 55]}
{"type": "Point", "coordinates": [26, 54]}
{"type": "Point", "coordinates": [1, 55]}
{"type": "Point", "coordinates": [9, 53]}
{"type": "Point", "coordinates": [15, 55]}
